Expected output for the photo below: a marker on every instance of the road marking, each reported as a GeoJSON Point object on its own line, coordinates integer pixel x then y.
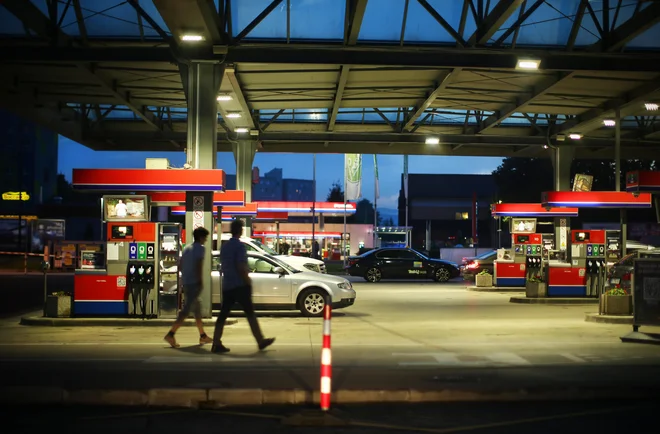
{"type": "Point", "coordinates": [453, 359]}
{"type": "Point", "coordinates": [158, 359]}
{"type": "Point", "coordinates": [444, 344]}
{"type": "Point", "coordinates": [508, 359]}
{"type": "Point", "coordinates": [574, 358]}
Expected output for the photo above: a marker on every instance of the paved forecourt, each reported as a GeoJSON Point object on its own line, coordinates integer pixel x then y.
{"type": "Point", "coordinates": [398, 335]}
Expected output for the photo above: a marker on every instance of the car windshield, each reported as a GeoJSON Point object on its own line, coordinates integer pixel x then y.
{"type": "Point", "coordinates": [265, 248]}
{"type": "Point", "coordinates": [282, 264]}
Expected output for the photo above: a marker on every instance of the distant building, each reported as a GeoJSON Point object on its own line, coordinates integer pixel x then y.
{"type": "Point", "coordinates": [28, 164]}
{"type": "Point", "coordinates": [28, 175]}
{"type": "Point", "coordinates": [273, 187]}
{"type": "Point", "coordinates": [440, 209]}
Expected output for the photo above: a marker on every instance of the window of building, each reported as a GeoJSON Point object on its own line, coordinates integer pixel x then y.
{"type": "Point", "coordinates": [462, 216]}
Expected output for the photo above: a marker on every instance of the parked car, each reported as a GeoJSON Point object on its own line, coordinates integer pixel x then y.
{"type": "Point", "coordinates": [300, 263]}
{"type": "Point", "coordinates": [388, 263]}
{"type": "Point", "coordinates": [277, 285]}
{"type": "Point", "coordinates": [475, 265]}
{"type": "Point", "coordinates": [621, 272]}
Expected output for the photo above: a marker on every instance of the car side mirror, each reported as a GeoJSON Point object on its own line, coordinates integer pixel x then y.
{"type": "Point", "coordinates": [279, 270]}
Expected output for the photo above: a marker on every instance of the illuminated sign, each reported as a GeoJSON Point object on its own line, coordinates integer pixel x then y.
{"type": "Point", "coordinates": [15, 195]}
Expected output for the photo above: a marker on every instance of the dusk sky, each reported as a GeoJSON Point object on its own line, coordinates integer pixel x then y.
{"type": "Point", "coordinates": [329, 167]}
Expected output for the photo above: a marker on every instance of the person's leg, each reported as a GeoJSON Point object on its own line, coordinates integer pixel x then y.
{"type": "Point", "coordinates": [245, 300]}
{"type": "Point", "coordinates": [203, 337]}
{"type": "Point", "coordinates": [228, 300]}
{"type": "Point", "coordinates": [190, 296]}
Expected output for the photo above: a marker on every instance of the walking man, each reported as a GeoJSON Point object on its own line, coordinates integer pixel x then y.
{"type": "Point", "coordinates": [236, 288]}
{"type": "Point", "coordinates": [191, 268]}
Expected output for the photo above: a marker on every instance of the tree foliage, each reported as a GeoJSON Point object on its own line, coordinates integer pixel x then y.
{"type": "Point", "coordinates": [336, 193]}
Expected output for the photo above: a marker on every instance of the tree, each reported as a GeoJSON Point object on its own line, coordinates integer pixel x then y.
{"type": "Point", "coordinates": [388, 222]}
{"type": "Point", "coordinates": [336, 193]}
{"type": "Point", "coordinates": [364, 213]}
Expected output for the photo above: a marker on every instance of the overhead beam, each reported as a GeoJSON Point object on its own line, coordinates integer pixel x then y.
{"type": "Point", "coordinates": [445, 25]}
{"type": "Point", "coordinates": [544, 86]}
{"type": "Point", "coordinates": [516, 25]}
{"type": "Point", "coordinates": [421, 107]}
{"type": "Point", "coordinates": [188, 16]}
{"type": "Point", "coordinates": [629, 30]}
{"type": "Point", "coordinates": [240, 98]}
{"type": "Point", "coordinates": [577, 24]}
{"type": "Point", "coordinates": [255, 22]}
{"type": "Point", "coordinates": [357, 8]}
{"type": "Point", "coordinates": [35, 20]}
{"type": "Point", "coordinates": [631, 102]}
{"type": "Point", "coordinates": [450, 57]}
{"type": "Point", "coordinates": [339, 93]}
{"type": "Point", "coordinates": [492, 23]}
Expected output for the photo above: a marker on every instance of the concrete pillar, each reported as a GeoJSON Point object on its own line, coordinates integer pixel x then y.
{"type": "Point", "coordinates": [427, 240]}
{"type": "Point", "coordinates": [202, 82]}
{"type": "Point", "coordinates": [244, 152]}
{"type": "Point", "coordinates": [562, 158]}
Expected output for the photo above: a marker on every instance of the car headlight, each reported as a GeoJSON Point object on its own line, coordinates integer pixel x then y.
{"type": "Point", "coordinates": [313, 267]}
{"type": "Point", "coordinates": [344, 285]}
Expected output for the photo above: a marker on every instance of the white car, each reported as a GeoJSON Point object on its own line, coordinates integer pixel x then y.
{"type": "Point", "coordinates": [278, 286]}
{"type": "Point", "coordinates": [300, 263]}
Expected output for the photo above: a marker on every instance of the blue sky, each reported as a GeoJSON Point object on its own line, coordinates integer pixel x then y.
{"type": "Point", "coordinates": [329, 167]}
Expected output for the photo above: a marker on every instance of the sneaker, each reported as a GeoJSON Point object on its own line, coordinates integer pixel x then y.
{"type": "Point", "coordinates": [219, 349]}
{"type": "Point", "coordinates": [170, 340]}
{"type": "Point", "coordinates": [266, 343]}
{"type": "Point", "coordinates": [205, 340]}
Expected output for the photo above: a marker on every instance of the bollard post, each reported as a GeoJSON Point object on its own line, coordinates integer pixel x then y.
{"type": "Point", "coordinates": [326, 358]}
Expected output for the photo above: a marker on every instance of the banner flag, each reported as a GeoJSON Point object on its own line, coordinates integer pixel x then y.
{"type": "Point", "coordinates": [352, 176]}
{"type": "Point", "coordinates": [376, 175]}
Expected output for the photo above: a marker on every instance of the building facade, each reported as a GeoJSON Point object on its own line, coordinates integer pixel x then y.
{"type": "Point", "coordinates": [441, 210]}
{"type": "Point", "coordinates": [273, 186]}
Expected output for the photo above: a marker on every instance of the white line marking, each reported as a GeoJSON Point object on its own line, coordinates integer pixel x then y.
{"type": "Point", "coordinates": [158, 359]}
{"type": "Point", "coordinates": [508, 359]}
{"type": "Point", "coordinates": [572, 357]}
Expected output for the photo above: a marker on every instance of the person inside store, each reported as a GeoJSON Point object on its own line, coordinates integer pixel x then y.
{"type": "Point", "coordinates": [315, 250]}
{"type": "Point", "coordinates": [236, 288]}
{"type": "Point", "coordinates": [191, 266]}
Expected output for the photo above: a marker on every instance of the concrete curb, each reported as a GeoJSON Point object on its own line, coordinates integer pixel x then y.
{"type": "Point", "coordinates": [110, 322]}
{"type": "Point", "coordinates": [553, 300]}
{"type": "Point", "coordinates": [496, 289]}
{"type": "Point", "coordinates": [215, 398]}
{"type": "Point", "coordinates": [609, 319]}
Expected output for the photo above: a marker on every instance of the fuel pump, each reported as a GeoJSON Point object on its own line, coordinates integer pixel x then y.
{"type": "Point", "coordinates": [533, 260]}
{"type": "Point", "coordinates": [140, 283]}
{"type": "Point", "coordinates": [596, 269]}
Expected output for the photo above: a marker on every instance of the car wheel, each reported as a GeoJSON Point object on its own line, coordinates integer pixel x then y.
{"type": "Point", "coordinates": [373, 275]}
{"type": "Point", "coordinates": [312, 302]}
{"type": "Point", "coordinates": [442, 275]}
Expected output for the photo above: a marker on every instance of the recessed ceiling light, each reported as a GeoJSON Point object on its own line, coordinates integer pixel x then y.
{"type": "Point", "coordinates": [234, 115]}
{"type": "Point", "coordinates": [651, 106]}
{"type": "Point", "coordinates": [528, 64]}
{"type": "Point", "coordinates": [224, 98]}
{"type": "Point", "coordinates": [575, 136]}
{"type": "Point", "coordinates": [432, 141]}
{"type": "Point", "coordinates": [241, 130]}
{"type": "Point", "coordinates": [192, 38]}
{"type": "Point", "coordinates": [609, 122]}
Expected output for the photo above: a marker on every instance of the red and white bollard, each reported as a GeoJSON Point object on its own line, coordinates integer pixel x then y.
{"type": "Point", "coordinates": [326, 359]}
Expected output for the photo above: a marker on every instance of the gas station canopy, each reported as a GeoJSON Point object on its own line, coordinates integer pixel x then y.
{"type": "Point", "coordinates": [461, 77]}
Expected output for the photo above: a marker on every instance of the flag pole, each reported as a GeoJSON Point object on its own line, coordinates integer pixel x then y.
{"type": "Point", "coordinates": [314, 203]}
{"type": "Point", "coordinates": [376, 192]}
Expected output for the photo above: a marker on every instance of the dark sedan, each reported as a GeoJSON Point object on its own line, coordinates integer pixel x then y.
{"type": "Point", "coordinates": [621, 272]}
{"type": "Point", "coordinates": [475, 265]}
{"type": "Point", "coordinates": [389, 263]}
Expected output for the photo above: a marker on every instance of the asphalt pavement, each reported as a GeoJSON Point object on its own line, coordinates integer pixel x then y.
{"type": "Point", "coordinates": [602, 417]}
{"type": "Point", "coordinates": [398, 336]}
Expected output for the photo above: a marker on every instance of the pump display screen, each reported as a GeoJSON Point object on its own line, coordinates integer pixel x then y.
{"type": "Point", "coordinates": [522, 239]}
{"type": "Point", "coordinates": [122, 232]}
{"type": "Point", "coordinates": [127, 208]}
{"type": "Point", "coordinates": [582, 236]}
